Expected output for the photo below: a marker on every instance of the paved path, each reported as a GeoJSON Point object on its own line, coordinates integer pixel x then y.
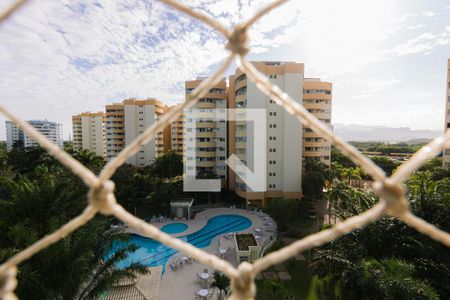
{"type": "Point", "coordinates": [183, 283]}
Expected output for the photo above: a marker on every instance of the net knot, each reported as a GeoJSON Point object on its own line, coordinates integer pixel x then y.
{"type": "Point", "coordinates": [102, 197]}
{"type": "Point", "coordinates": [238, 41]}
{"type": "Point", "coordinates": [8, 283]}
{"type": "Point", "coordinates": [243, 285]}
{"type": "Point", "coordinates": [394, 196]}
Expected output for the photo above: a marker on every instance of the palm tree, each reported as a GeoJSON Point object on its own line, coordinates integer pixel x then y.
{"type": "Point", "coordinates": [221, 282]}
{"type": "Point", "coordinates": [169, 165]}
{"type": "Point", "coordinates": [394, 279]}
{"type": "Point", "coordinates": [275, 287]}
{"type": "Point", "coordinates": [79, 266]}
{"type": "Point", "coordinates": [314, 177]}
{"type": "Point", "coordinates": [388, 259]}
{"type": "Point", "coordinates": [89, 159]}
{"type": "Point", "coordinates": [335, 195]}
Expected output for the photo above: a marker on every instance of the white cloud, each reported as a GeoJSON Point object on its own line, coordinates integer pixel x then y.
{"type": "Point", "coordinates": [58, 58]}
{"type": "Point", "coordinates": [417, 26]}
{"type": "Point", "coordinates": [424, 43]}
{"type": "Point", "coordinates": [370, 88]}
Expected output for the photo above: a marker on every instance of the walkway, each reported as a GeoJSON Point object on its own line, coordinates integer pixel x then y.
{"type": "Point", "coordinates": [183, 283]}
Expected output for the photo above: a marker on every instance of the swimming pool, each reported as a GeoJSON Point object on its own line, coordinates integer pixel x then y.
{"type": "Point", "coordinates": [174, 228]}
{"type": "Point", "coordinates": [152, 253]}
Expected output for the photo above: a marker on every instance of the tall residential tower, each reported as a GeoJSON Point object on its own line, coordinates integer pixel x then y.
{"type": "Point", "coordinates": [284, 133]}
{"type": "Point", "coordinates": [126, 121]}
{"type": "Point", "coordinates": [89, 132]}
{"type": "Point", "coordinates": [51, 130]}
{"type": "Point", "coordinates": [211, 135]}
{"type": "Point", "coordinates": [317, 96]}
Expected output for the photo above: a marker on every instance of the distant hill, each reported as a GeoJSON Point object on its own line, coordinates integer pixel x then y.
{"type": "Point", "coordinates": [360, 133]}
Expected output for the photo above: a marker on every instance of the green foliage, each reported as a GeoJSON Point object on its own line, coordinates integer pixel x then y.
{"type": "Point", "coordinates": [3, 156]}
{"type": "Point", "coordinates": [338, 157]}
{"type": "Point", "coordinates": [169, 165]}
{"type": "Point", "coordinates": [136, 188]}
{"type": "Point", "coordinates": [387, 259]}
{"type": "Point", "coordinates": [283, 211]}
{"type": "Point", "coordinates": [314, 178]}
{"type": "Point", "coordinates": [385, 148]}
{"type": "Point", "coordinates": [275, 287]}
{"type": "Point", "coordinates": [388, 165]}
{"type": "Point", "coordinates": [78, 266]}
{"type": "Point", "coordinates": [221, 282]}
{"type": "Point", "coordinates": [41, 197]}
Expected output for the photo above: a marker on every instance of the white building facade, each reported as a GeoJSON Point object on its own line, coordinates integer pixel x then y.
{"type": "Point", "coordinates": [138, 116]}
{"type": "Point", "coordinates": [51, 130]}
{"type": "Point", "coordinates": [284, 133]}
{"type": "Point", "coordinates": [211, 134]}
{"type": "Point", "coordinates": [89, 132]}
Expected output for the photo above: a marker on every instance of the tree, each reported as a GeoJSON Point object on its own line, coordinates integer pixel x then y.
{"type": "Point", "coordinates": [388, 165]}
{"type": "Point", "coordinates": [387, 259]}
{"type": "Point", "coordinates": [79, 266]}
{"type": "Point", "coordinates": [275, 287]}
{"type": "Point", "coordinates": [3, 156]}
{"type": "Point", "coordinates": [169, 165]}
{"type": "Point", "coordinates": [221, 282]}
{"type": "Point", "coordinates": [283, 211]}
{"type": "Point", "coordinates": [90, 160]}
{"type": "Point", "coordinates": [338, 157]}
{"type": "Point", "coordinates": [337, 193]}
{"type": "Point", "coordinates": [314, 178]}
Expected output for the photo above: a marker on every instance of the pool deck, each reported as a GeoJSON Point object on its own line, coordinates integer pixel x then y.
{"type": "Point", "coordinates": [183, 283]}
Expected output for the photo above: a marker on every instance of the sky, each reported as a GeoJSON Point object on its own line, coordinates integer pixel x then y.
{"type": "Point", "coordinates": [387, 59]}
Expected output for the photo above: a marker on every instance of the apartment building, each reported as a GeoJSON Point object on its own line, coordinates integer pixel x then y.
{"type": "Point", "coordinates": [13, 134]}
{"type": "Point", "coordinates": [126, 121]}
{"type": "Point", "coordinates": [51, 130]}
{"type": "Point", "coordinates": [284, 140]}
{"type": "Point", "coordinates": [89, 132]}
{"type": "Point", "coordinates": [317, 98]}
{"type": "Point", "coordinates": [114, 129]}
{"type": "Point", "coordinates": [211, 135]}
{"type": "Point", "coordinates": [177, 135]}
{"type": "Point", "coordinates": [446, 157]}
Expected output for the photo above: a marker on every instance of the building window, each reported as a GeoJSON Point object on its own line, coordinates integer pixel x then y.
{"type": "Point", "coordinates": [272, 138]}
{"type": "Point", "coordinates": [272, 174]}
{"type": "Point", "coordinates": [272, 113]}
{"type": "Point", "coordinates": [272, 125]}
{"type": "Point", "coordinates": [272, 150]}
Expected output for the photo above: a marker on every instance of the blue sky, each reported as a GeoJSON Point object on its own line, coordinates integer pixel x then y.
{"type": "Point", "coordinates": [387, 59]}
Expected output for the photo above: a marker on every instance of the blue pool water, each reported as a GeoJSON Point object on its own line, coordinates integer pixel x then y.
{"type": "Point", "coordinates": [174, 228]}
{"type": "Point", "coordinates": [152, 253]}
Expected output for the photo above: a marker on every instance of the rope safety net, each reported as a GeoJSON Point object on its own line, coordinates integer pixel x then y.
{"type": "Point", "coordinates": [101, 189]}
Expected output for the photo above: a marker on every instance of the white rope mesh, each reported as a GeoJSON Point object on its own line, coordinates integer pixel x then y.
{"type": "Point", "coordinates": [102, 199]}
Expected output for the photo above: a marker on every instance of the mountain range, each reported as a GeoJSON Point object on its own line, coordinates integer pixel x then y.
{"type": "Point", "coordinates": [359, 133]}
